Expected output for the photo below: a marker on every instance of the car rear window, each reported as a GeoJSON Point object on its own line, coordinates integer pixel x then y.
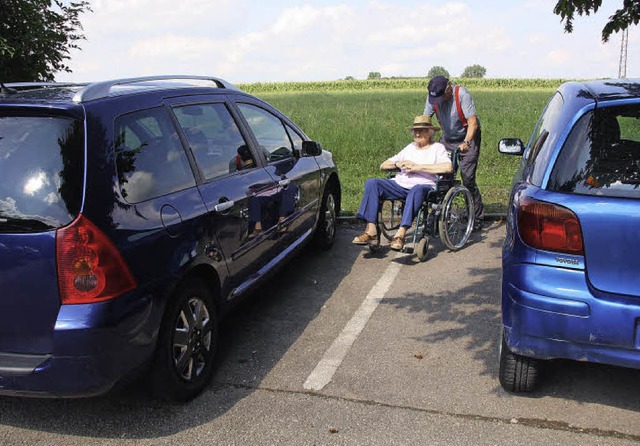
{"type": "Point", "coordinates": [41, 165]}
{"type": "Point", "coordinates": [601, 155]}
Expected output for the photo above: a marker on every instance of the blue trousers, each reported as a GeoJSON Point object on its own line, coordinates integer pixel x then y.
{"type": "Point", "coordinates": [376, 189]}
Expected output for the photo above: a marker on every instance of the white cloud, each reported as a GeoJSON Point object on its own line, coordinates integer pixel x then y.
{"type": "Point", "coordinates": [286, 41]}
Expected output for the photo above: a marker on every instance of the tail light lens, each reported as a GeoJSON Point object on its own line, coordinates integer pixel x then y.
{"type": "Point", "coordinates": [90, 268]}
{"type": "Point", "coordinates": [550, 227]}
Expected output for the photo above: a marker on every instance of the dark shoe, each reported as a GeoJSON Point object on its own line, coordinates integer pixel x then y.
{"type": "Point", "coordinates": [397, 243]}
{"type": "Point", "coordinates": [478, 225]}
{"type": "Point", "coordinates": [363, 239]}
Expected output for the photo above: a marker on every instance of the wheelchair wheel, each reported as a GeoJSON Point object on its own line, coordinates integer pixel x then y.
{"type": "Point", "coordinates": [422, 248]}
{"type": "Point", "coordinates": [389, 218]}
{"type": "Point", "coordinates": [456, 219]}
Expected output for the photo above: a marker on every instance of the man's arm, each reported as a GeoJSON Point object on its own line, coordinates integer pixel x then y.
{"type": "Point", "coordinates": [472, 126]}
{"type": "Point", "coordinates": [428, 108]}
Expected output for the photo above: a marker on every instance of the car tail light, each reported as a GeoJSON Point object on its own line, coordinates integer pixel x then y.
{"type": "Point", "coordinates": [550, 227]}
{"type": "Point", "coordinates": [90, 268]}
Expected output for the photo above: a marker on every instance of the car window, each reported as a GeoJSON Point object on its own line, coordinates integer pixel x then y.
{"type": "Point", "coordinates": [215, 139]}
{"type": "Point", "coordinates": [541, 132]}
{"type": "Point", "coordinates": [150, 159]}
{"type": "Point", "coordinates": [601, 155]}
{"type": "Point", "coordinates": [543, 140]}
{"type": "Point", "coordinates": [41, 160]}
{"type": "Point", "coordinates": [296, 139]}
{"type": "Point", "coordinates": [269, 131]}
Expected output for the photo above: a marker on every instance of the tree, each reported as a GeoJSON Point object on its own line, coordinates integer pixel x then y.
{"type": "Point", "coordinates": [5, 48]}
{"type": "Point", "coordinates": [36, 37]}
{"type": "Point", "coordinates": [623, 18]}
{"type": "Point", "coordinates": [374, 75]}
{"type": "Point", "coordinates": [438, 71]}
{"type": "Point", "coordinates": [476, 71]}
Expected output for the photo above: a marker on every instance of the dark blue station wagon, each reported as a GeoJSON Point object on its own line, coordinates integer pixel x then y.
{"type": "Point", "coordinates": [571, 258]}
{"type": "Point", "coordinates": [132, 213]}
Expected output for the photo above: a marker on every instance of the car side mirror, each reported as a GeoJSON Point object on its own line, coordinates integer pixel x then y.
{"type": "Point", "coordinates": [311, 148]}
{"type": "Point", "coordinates": [511, 146]}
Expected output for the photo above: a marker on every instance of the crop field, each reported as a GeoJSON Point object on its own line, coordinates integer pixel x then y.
{"type": "Point", "coordinates": [365, 122]}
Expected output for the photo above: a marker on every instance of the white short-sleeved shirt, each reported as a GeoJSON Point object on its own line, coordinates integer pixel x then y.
{"type": "Point", "coordinates": [434, 154]}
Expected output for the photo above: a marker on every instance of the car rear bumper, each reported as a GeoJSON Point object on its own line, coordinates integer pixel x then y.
{"type": "Point", "coordinates": [562, 317]}
{"type": "Point", "coordinates": [95, 347]}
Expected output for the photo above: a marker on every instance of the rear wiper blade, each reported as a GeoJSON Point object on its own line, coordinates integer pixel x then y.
{"type": "Point", "coordinates": [7, 90]}
{"type": "Point", "coordinates": [23, 225]}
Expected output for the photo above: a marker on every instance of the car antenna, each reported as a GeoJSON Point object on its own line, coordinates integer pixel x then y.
{"type": "Point", "coordinates": [6, 90]}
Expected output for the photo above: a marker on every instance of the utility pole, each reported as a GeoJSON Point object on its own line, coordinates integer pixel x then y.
{"type": "Point", "coordinates": [622, 67]}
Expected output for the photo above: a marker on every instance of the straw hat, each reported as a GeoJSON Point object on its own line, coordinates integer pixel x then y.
{"type": "Point", "coordinates": [423, 122]}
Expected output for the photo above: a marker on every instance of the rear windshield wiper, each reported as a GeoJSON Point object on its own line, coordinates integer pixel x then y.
{"type": "Point", "coordinates": [23, 225]}
{"type": "Point", "coordinates": [7, 90]}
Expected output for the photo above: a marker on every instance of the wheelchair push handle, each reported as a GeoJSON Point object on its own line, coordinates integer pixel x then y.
{"type": "Point", "coordinates": [455, 161]}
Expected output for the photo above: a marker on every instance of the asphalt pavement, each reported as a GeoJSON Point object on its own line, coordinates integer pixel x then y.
{"type": "Point", "coordinates": [350, 347]}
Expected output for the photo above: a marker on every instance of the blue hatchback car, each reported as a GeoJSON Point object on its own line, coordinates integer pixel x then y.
{"type": "Point", "coordinates": [133, 213]}
{"type": "Point", "coordinates": [571, 258]}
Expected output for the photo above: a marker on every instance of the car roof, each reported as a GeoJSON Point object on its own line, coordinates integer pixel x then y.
{"type": "Point", "coordinates": [602, 90]}
{"type": "Point", "coordinates": [85, 92]}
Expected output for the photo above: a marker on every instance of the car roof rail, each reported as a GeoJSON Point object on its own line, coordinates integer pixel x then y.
{"type": "Point", "coordinates": [98, 90]}
{"type": "Point", "coordinates": [34, 85]}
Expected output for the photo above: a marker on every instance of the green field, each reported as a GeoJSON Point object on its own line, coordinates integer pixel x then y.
{"type": "Point", "coordinates": [364, 122]}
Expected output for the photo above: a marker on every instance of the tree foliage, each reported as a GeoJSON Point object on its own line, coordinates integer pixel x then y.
{"type": "Point", "coordinates": [5, 48]}
{"type": "Point", "coordinates": [374, 75]}
{"type": "Point", "coordinates": [438, 71]}
{"type": "Point", "coordinates": [622, 19]}
{"type": "Point", "coordinates": [36, 37]}
{"type": "Point", "coordinates": [474, 71]}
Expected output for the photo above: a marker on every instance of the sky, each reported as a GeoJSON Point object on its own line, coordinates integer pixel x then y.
{"type": "Point", "coordinates": [246, 41]}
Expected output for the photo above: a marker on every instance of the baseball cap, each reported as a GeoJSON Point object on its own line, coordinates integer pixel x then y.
{"type": "Point", "coordinates": [436, 87]}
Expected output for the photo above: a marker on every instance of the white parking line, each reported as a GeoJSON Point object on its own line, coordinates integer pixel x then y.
{"type": "Point", "coordinates": [333, 357]}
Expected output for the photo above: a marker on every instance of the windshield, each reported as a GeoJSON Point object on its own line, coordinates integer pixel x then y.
{"type": "Point", "coordinates": [41, 159]}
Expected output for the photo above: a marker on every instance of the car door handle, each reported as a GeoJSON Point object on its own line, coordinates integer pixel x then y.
{"type": "Point", "coordinates": [224, 206]}
{"type": "Point", "coordinates": [284, 183]}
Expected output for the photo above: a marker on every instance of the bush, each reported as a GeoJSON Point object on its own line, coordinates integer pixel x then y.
{"type": "Point", "coordinates": [438, 71]}
{"type": "Point", "coordinates": [474, 71]}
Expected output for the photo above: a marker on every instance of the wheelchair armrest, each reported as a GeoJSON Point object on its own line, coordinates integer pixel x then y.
{"type": "Point", "coordinates": [392, 173]}
{"type": "Point", "coordinates": [444, 181]}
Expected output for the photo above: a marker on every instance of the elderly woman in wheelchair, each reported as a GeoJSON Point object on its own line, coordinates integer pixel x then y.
{"type": "Point", "coordinates": [419, 162]}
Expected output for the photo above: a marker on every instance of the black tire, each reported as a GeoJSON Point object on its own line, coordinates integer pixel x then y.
{"type": "Point", "coordinates": [422, 248]}
{"type": "Point", "coordinates": [456, 218]}
{"type": "Point", "coordinates": [328, 221]}
{"type": "Point", "coordinates": [187, 344]}
{"type": "Point", "coordinates": [517, 373]}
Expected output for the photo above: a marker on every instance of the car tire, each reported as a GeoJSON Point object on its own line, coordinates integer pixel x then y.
{"type": "Point", "coordinates": [187, 344]}
{"type": "Point", "coordinates": [517, 373]}
{"type": "Point", "coordinates": [328, 220]}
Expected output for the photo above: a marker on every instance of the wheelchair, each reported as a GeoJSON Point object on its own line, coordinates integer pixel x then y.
{"type": "Point", "coordinates": [446, 212]}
